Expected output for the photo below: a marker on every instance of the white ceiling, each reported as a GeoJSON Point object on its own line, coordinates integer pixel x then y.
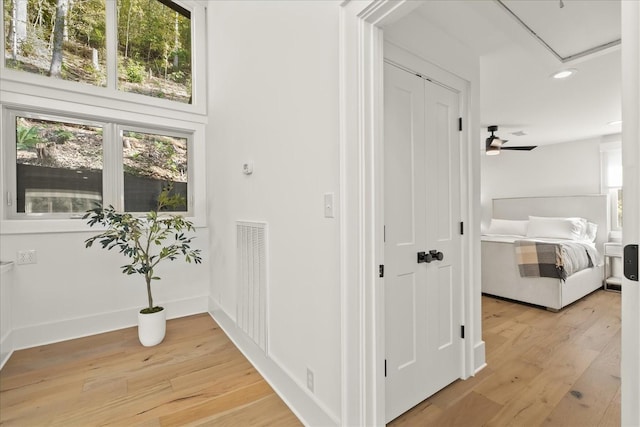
{"type": "Point", "coordinates": [517, 93]}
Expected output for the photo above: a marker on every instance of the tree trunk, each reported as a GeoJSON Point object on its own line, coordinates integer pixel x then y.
{"type": "Point", "coordinates": [58, 38]}
{"type": "Point", "coordinates": [18, 28]}
{"type": "Point", "coordinates": [65, 34]}
{"type": "Point", "coordinates": [38, 21]}
{"type": "Point", "coordinates": [126, 44]}
{"type": "Point", "coordinates": [176, 42]}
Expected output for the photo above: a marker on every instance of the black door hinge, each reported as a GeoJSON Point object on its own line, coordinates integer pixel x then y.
{"type": "Point", "coordinates": [460, 124]}
{"type": "Point", "coordinates": [461, 227]}
{"type": "Point", "coordinates": [385, 368]}
{"type": "Point", "coordinates": [381, 270]}
{"type": "Point", "coordinates": [462, 331]}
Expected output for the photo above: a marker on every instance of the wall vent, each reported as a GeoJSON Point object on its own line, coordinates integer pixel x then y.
{"type": "Point", "coordinates": [251, 310]}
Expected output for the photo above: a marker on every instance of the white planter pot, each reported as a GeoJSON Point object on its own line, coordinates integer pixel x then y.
{"type": "Point", "coordinates": [152, 327]}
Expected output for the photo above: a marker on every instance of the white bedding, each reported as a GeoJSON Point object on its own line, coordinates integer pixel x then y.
{"type": "Point", "coordinates": [500, 271]}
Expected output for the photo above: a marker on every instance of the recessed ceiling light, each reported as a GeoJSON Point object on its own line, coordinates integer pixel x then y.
{"type": "Point", "coordinates": [563, 74]}
{"type": "Point", "coordinates": [615, 123]}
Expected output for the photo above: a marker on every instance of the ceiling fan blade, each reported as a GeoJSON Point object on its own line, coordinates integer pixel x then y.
{"type": "Point", "coordinates": [520, 148]}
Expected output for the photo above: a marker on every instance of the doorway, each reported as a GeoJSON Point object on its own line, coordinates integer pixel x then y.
{"type": "Point", "coordinates": [422, 239]}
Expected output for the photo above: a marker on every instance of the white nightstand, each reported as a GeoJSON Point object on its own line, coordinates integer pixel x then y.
{"type": "Point", "coordinates": [613, 266]}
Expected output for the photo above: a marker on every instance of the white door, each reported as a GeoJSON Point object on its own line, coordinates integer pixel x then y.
{"type": "Point", "coordinates": [422, 212]}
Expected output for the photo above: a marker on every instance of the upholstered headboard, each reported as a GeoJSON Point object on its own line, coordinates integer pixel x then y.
{"type": "Point", "coordinates": [594, 208]}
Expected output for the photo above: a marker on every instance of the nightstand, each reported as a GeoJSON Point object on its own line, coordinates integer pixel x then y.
{"type": "Point", "coordinates": [613, 266]}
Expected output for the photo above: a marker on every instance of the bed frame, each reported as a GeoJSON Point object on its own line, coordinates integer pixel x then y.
{"type": "Point", "coordinates": [500, 276]}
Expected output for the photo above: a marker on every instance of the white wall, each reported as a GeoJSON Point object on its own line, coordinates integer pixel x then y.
{"type": "Point", "coordinates": [274, 101]}
{"type": "Point", "coordinates": [6, 319]}
{"type": "Point", "coordinates": [565, 169]}
{"type": "Point", "coordinates": [72, 291]}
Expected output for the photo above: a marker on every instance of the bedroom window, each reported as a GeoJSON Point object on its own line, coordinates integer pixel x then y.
{"type": "Point", "coordinates": [64, 166]}
{"type": "Point", "coordinates": [67, 40]}
{"type": "Point", "coordinates": [611, 173]}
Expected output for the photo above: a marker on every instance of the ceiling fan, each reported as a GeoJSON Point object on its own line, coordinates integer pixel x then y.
{"type": "Point", "coordinates": [494, 143]}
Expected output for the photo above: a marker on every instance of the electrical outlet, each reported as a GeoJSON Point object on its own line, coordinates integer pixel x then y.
{"type": "Point", "coordinates": [26, 257]}
{"type": "Point", "coordinates": [310, 380]}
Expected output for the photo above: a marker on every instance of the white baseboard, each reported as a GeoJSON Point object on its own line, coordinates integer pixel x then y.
{"type": "Point", "coordinates": [6, 348]}
{"type": "Point", "coordinates": [308, 410]}
{"type": "Point", "coordinates": [63, 330]}
{"type": "Point", "coordinates": [479, 357]}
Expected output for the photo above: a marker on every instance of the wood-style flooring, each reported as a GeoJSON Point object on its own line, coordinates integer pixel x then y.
{"type": "Point", "coordinates": [544, 369]}
{"type": "Point", "coordinates": [196, 376]}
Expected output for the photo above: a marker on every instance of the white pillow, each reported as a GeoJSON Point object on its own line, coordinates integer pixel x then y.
{"type": "Point", "coordinates": [557, 228]}
{"type": "Point", "coordinates": [508, 227]}
{"type": "Point", "coordinates": [592, 232]}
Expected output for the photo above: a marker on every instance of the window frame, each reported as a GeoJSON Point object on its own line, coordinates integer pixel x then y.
{"type": "Point", "coordinates": [112, 157]}
{"type": "Point", "coordinates": [41, 85]}
{"type": "Point", "coordinates": [30, 92]}
{"type": "Point", "coordinates": [10, 166]}
{"type": "Point", "coordinates": [119, 128]}
{"type": "Point", "coordinates": [614, 145]}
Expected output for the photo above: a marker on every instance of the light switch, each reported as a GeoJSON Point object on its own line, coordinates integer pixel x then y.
{"type": "Point", "coordinates": [328, 205]}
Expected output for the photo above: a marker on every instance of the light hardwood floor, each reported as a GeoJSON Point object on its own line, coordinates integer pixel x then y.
{"type": "Point", "coordinates": [544, 369]}
{"type": "Point", "coordinates": [195, 377]}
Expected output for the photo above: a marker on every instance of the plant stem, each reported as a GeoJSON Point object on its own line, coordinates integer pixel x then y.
{"type": "Point", "coordinates": [148, 278]}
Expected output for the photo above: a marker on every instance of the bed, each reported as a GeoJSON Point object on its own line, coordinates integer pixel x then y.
{"type": "Point", "coordinates": [500, 272]}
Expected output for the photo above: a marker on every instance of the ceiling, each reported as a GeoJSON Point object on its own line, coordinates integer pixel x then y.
{"type": "Point", "coordinates": [517, 91]}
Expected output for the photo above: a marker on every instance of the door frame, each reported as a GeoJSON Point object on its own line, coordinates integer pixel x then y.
{"type": "Point", "coordinates": [360, 61]}
{"type": "Point", "coordinates": [361, 223]}
{"type": "Point", "coordinates": [630, 357]}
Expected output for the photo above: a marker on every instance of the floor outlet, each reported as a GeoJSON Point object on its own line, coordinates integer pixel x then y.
{"type": "Point", "coordinates": [310, 379]}
{"type": "Point", "coordinates": [26, 257]}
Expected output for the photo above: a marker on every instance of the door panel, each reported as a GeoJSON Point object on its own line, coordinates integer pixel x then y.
{"type": "Point", "coordinates": [422, 209]}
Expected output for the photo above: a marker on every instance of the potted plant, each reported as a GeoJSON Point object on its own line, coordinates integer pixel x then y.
{"type": "Point", "coordinates": [146, 241]}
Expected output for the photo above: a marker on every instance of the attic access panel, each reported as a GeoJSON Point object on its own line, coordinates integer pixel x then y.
{"type": "Point", "coordinates": [579, 28]}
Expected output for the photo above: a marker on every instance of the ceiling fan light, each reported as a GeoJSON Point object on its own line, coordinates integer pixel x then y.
{"type": "Point", "coordinates": [493, 150]}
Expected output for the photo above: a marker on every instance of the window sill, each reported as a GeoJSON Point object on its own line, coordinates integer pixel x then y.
{"type": "Point", "coordinates": [49, 226]}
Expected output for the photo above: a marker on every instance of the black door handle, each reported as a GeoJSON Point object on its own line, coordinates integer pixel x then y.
{"type": "Point", "coordinates": [425, 257]}
{"type": "Point", "coordinates": [630, 257]}
{"type": "Point", "coordinates": [432, 255]}
{"type": "Point", "coordinates": [436, 255]}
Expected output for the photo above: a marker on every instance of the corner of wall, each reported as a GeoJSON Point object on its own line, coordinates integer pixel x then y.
{"type": "Point", "coordinates": [303, 405]}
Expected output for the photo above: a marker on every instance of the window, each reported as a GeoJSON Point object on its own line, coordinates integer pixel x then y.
{"type": "Point", "coordinates": [154, 49]}
{"type": "Point", "coordinates": [150, 160]}
{"type": "Point", "coordinates": [611, 173]}
{"type": "Point", "coordinates": [58, 165]}
{"type": "Point", "coordinates": [67, 39]}
{"type": "Point", "coordinates": [64, 166]}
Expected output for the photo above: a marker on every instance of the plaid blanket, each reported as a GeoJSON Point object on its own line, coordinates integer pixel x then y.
{"type": "Point", "coordinates": [556, 260]}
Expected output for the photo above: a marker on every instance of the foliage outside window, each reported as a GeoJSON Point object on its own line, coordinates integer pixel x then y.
{"type": "Point", "coordinates": [63, 39]}
{"type": "Point", "coordinates": [150, 160]}
{"type": "Point", "coordinates": [154, 49]}
{"type": "Point", "coordinates": [62, 167]}
{"type": "Point", "coordinates": [58, 166]}
{"type": "Point", "coordinates": [66, 39]}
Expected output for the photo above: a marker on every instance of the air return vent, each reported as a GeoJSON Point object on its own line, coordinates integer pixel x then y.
{"type": "Point", "coordinates": [251, 312]}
